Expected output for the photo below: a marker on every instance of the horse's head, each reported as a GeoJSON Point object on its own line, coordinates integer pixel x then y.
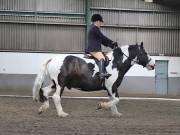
{"type": "Point", "coordinates": [132, 54]}
{"type": "Point", "coordinates": [141, 57]}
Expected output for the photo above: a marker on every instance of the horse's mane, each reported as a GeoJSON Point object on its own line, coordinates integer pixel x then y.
{"type": "Point", "coordinates": [118, 53]}
{"type": "Point", "coordinates": [117, 56]}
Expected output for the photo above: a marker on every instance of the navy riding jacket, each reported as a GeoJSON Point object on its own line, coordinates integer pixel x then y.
{"type": "Point", "coordinates": [96, 38]}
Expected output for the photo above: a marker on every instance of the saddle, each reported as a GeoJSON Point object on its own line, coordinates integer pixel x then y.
{"type": "Point", "coordinates": [89, 56]}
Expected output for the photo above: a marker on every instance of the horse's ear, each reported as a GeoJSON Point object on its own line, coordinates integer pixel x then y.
{"type": "Point", "coordinates": [141, 44]}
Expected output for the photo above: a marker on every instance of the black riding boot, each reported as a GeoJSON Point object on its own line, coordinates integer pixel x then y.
{"type": "Point", "coordinates": [102, 70]}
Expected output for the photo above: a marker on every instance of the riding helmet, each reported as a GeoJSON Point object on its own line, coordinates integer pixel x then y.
{"type": "Point", "coordinates": [96, 17]}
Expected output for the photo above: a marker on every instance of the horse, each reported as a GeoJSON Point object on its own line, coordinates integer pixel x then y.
{"type": "Point", "coordinates": [83, 74]}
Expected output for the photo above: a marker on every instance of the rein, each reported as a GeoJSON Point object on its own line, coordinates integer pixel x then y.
{"type": "Point", "coordinates": [135, 61]}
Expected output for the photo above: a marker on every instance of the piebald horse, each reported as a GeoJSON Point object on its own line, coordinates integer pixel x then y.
{"type": "Point", "coordinates": [83, 74]}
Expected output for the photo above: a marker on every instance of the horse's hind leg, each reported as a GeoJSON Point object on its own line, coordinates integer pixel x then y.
{"type": "Point", "coordinates": [57, 101]}
{"type": "Point", "coordinates": [44, 97]}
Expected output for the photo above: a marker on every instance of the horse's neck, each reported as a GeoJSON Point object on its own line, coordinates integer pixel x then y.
{"type": "Point", "coordinates": [110, 55]}
{"type": "Point", "coordinates": [126, 64]}
{"type": "Point", "coordinates": [125, 49]}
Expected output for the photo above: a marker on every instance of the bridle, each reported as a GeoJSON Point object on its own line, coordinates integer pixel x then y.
{"type": "Point", "coordinates": [132, 60]}
{"type": "Point", "coordinates": [136, 60]}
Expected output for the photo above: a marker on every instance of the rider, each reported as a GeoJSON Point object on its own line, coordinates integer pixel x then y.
{"type": "Point", "coordinates": [95, 39]}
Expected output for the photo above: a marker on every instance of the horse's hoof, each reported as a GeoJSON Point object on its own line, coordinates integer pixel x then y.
{"type": "Point", "coordinates": [63, 115]}
{"type": "Point", "coordinates": [117, 114]}
{"type": "Point", "coordinates": [36, 99]}
{"type": "Point", "coordinates": [99, 106]}
{"type": "Point", "coordinates": [40, 112]}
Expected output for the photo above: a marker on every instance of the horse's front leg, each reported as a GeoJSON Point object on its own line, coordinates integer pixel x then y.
{"type": "Point", "coordinates": [114, 109]}
{"type": "Point", "coordinates": [112, 105]}
{"type": "Point", "coordinates": [114, 100]}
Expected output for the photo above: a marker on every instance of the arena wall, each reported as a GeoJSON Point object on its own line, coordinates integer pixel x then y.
{"type": "Point", "coordinates": [33, 30]}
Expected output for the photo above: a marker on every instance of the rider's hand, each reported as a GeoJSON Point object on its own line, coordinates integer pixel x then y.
{"type": "Point", "coordinates": [115, 45]}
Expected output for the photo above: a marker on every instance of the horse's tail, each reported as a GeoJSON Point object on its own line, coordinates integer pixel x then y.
{"type": "Point", "coordinates": [39, 81]}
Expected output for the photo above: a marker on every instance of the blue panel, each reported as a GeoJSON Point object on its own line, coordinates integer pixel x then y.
{"type": "Point", "coordinates": [161, 77]}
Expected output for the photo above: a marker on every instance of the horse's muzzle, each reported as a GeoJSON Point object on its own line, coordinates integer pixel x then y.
{"type": "Point", "coordinates": [150, 67]}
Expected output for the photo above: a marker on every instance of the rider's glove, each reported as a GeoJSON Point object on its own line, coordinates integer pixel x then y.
{"type": "Point", "coordinates": [115, 45]}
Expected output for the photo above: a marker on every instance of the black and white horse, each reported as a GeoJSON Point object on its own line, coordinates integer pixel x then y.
{"type": "Point", "coordinates": [82, 73]}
